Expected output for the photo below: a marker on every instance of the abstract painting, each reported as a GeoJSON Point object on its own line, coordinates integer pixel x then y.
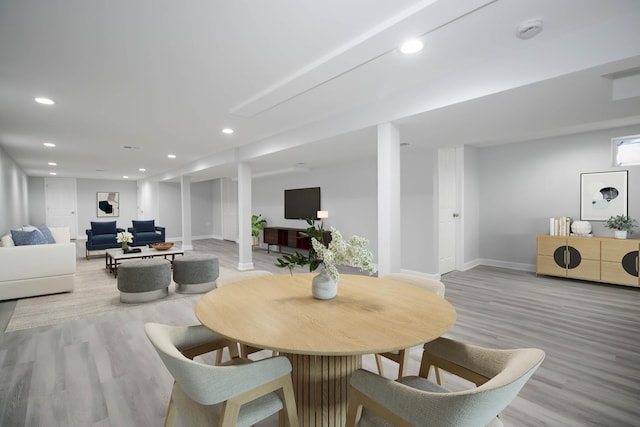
{"type": "Point", "coordinates": [108, 204]}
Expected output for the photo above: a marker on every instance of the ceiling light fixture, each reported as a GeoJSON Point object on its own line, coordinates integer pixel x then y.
{"type": "Point", "coordinates": [171, 156]}
{"type": "Point", "coordinates": [142, 170]}
{"type": "Point", "coordinates": [411, 46]}
{"type": "Point", "coordinates": [48, 144]}
{"type": "Point", "coordinates": [52, 164]}
{"type": "Point", "coordinates": [227, 131]}
{"type": "Point", "coordinates": [45, 101]}
{"type": "Point", "coordinates": [52, 173]}
{"type": "Point", "coordinates": [125, 176]}
{"type": "Point", "coordinates": [529, 29]}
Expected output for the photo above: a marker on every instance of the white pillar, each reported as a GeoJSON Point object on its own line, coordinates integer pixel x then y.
{"type": "Point", "coordinates": [185, 187]}
{"type": "Point", "coordinates": [388, 199]}
{"type": "Point", "coordinates": [245, 256]}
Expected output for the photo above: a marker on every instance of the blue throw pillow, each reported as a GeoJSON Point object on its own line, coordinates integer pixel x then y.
{"type": "Point", "coordinates": [23, 238]}
{"type": "Point", "coordinates": [103, 227]}
{"type": "Point", "coordinates": [144, 226]}
{"type": "Point", "coordinates": [48, 237]}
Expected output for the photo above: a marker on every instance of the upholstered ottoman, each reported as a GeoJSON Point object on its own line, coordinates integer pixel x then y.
{"type": "Point", "coordinates": [195, 273]}
{"type": "Point", "coordinates": [144, 280]}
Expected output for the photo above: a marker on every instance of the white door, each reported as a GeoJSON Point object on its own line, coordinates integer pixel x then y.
{"type": "Point", "coordinates": [229, 190]}
{"type": "Point", "coordinates": [448, 210]}
{"type": "Point", "coordinates": [61, 203]}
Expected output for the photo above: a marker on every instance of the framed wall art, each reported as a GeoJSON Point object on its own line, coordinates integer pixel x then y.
{"type": "Point", "coordinates": [603, 194]}
{"type": "Point", "coordinates": [108, 204]}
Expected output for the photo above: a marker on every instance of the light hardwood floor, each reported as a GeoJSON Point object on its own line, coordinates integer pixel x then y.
{"type": "Point", "coordinates": [101, 370]}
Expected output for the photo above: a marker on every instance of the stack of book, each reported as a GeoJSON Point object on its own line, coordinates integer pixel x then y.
{"type": "Point", "coordinates": [560, 226]}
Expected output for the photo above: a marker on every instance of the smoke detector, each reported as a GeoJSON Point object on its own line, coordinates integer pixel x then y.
{"type": "Point", "coordinates": [529, 29]}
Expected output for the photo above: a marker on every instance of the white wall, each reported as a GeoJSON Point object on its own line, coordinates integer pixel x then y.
{"type": "Point", "coordinates": [417, 188]}
{"type": "Point", "coordinates": [87, 202]}
{"type": "Point", "coordinates": [471, 207]}
{"type": "Point", "coordinates": [202, 209]}
{"type": "Point", "coordinates": [347, 191]}
{"type": "Point", "coordinates": [216, 214]}
{"type": "Point", "coordinates": [170, 207]}
{"type": "Point", "coordinates": [14, 209]}
{"type": "Point", "coordinates": [37, 205]}
{"type": "Point", "coordinates": [522, 185]}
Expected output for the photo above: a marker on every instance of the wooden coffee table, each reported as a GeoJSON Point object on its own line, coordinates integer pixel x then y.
{"type": "Point", "coordinates": [113, 257]}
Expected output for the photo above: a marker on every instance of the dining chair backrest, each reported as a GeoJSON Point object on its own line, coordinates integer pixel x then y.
{"type": "Point", "coordinates": [266, 383]}
{"type": "Point", "coordinates": [416, 401]}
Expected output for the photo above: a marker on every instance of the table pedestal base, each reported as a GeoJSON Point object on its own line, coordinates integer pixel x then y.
{"type": "Point", "coordinates": [321, 385]}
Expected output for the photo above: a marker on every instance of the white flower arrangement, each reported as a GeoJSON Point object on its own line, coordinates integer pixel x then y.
{"type": "Point", "coordinates": [124, 237]}
{"type": "Point", "coordinates": [353, 252]}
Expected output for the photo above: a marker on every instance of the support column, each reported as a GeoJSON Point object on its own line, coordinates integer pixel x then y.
{"type": "Point", "coordinates": [245, 256]}
{"type": "Point", "coordinates": [185, 190]}
{"type": "Point", "coordinates": [388, 199]}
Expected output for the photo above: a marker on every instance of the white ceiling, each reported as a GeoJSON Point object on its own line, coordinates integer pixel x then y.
{"type": "Point", "coordinates": [300, 81]}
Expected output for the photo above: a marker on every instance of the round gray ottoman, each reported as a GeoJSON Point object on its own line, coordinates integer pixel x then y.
{"type": "Point", "coordinates": [144, 280]}
{"type": "Point", "coordinates": [195, 273]}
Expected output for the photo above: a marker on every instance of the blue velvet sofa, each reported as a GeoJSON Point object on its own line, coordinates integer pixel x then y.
{"type": "Point", "coordinates": [146, 232]}
{"type": "Point", "coordinates": [102, 235]}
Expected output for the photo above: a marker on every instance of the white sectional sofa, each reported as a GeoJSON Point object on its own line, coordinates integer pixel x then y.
{"type": "Point", "coordinates": [38, 269]}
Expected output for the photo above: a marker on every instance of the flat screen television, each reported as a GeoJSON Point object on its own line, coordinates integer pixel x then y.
{"type": "Point", "coordinates": [301, 203]}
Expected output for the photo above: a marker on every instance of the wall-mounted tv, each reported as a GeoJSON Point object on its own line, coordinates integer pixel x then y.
{"type": "Point", "coordinates": [301, 203]}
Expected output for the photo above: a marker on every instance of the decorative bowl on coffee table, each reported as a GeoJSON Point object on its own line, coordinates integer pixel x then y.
{"type": "Point", "coordinates": [161, 246]}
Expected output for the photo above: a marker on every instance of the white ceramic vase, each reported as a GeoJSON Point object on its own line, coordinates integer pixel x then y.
{"type": "Point", "coordinates": [581, 228]}
{"type": "Point", "coordinates": [323, 287]}
{"type": "Point", "coordinates": [620, 234]}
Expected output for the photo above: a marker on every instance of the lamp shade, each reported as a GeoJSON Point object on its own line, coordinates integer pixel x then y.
{"type": "Point", "coordinates": [322, 214]}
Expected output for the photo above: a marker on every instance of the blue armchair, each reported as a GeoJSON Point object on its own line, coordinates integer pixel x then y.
{"type": "Point", "coordinates": [146, 232]}
{"type": "Point", "coordinates": [102, 235]}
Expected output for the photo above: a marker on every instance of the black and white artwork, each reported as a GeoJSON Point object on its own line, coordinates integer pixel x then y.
{"type": "Point", "coordinates": [602, 195]}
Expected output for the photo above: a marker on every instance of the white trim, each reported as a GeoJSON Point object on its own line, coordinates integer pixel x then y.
{"type": "Point", "coordinates": [506, 264]}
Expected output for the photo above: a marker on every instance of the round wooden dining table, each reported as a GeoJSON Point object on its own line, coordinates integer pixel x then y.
{"type": "Point", "coordinates": [325, 339]}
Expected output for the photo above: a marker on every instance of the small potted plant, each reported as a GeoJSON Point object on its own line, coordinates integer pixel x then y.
{"type": "Point", "coordinates": [257, 224]}
{"type": "Point", "coordinates": [622, 225]}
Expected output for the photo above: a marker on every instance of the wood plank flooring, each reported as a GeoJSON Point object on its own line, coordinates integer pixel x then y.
{"type": "Point", "coordinates": [101, 370]}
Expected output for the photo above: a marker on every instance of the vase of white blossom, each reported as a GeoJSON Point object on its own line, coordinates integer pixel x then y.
{"type": "Point", "coordinates": [353, 253]}
{"type": "Point", "coordinates": [124, 238]}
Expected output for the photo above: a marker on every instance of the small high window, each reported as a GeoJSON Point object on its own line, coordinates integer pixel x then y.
{"type": "Point", "coordinates": [626, 150]}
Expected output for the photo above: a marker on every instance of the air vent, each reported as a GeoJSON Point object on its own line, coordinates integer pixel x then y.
{"type": "Point", "coordinates": [129, 147]}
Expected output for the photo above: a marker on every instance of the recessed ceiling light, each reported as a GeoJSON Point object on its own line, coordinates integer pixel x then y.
{"type": "Point", "coordinates": [142, 170]}
{"type": "Point", "coordinates": [52, 173]}
{"type": "Point", "coordinates": [171, 156]}
{"type": "Point", "coordinates": [125, 176]}
{"type": "Point", "coordinates": [52, 163]}
{"type": "Point", "coordinates": [228, 131]}
{"type": "Point", "coordinates": [411, 46]}
{"type": "Point", "coordinates": [49, 144]}
{"type": "Point", "coordinates": [45, 101]}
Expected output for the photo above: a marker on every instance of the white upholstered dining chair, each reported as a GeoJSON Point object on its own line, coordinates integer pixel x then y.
{"type": "Point", "coordinates": [499, 375]}
{"type": "Point", "coordinates": [401, 357]}
{"type": "Point", "coordinates": [242, 394]}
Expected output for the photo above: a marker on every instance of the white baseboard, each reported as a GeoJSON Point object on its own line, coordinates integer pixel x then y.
{"type": "Point", "coordinates": [505, 264]}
